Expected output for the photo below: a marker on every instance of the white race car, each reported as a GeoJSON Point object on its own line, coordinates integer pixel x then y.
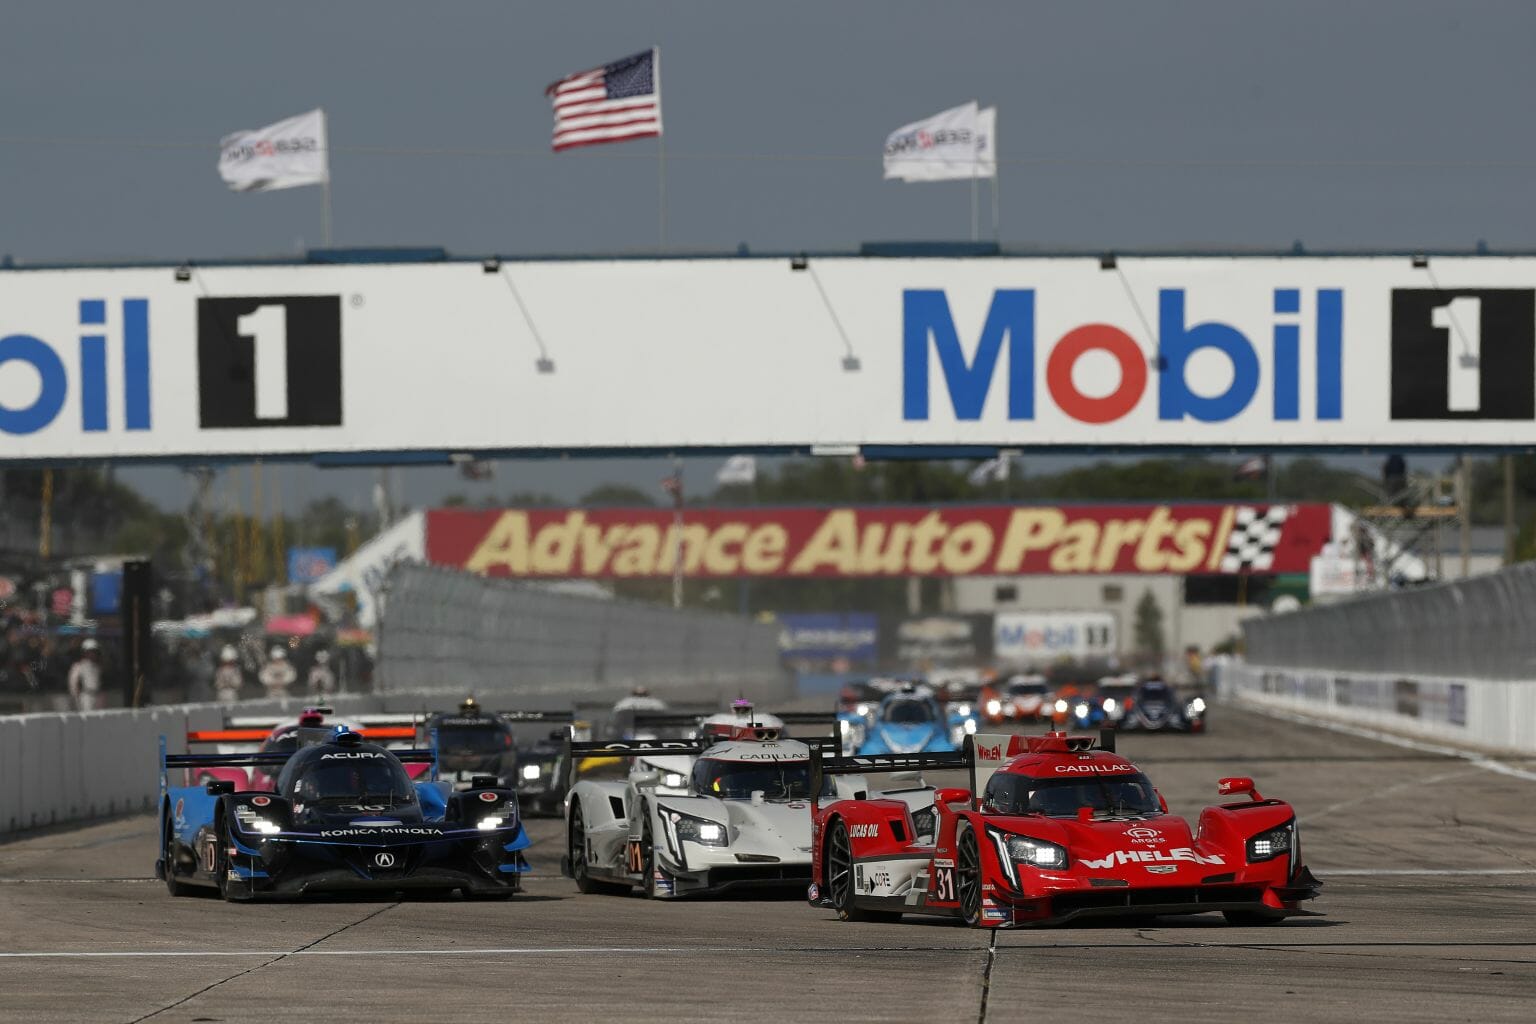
{"type": "Point", "coordinates": [715, 815]}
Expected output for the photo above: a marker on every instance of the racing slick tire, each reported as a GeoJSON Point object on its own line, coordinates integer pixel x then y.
{"type": "Point", "coordinates": [1251, 918]}
{"type": "Point", "coordinates": [173, 885]}
{"type": "Point", "coordinates": [840, 887]}
{"type": "Point", "coordinates": [576, 849]}
{"type": "Point", "coordinates": [647, 855]}
{"type": "Point", "coordinates": [968, 878]}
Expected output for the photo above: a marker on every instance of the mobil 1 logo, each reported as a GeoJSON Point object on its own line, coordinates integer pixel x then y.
{"type": "Point", "coordinates": [1463, 354]}
{"type": "Point", "coordinates": [269, 361]}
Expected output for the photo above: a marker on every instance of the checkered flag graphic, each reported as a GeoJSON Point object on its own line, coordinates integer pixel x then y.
{"type": "Point", "coordinates": [1255, 534]}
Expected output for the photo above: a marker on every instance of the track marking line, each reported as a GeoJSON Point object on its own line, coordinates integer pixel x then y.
{"type": "Point", "coordinates": [1379, 793]}
{"type": "Point", "coordinates": [508, 951]}
{"type": "Point", "coordinates": [1482, 761]}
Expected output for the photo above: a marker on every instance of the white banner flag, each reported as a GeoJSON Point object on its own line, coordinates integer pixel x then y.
{"type": "Point", "coordinates": [986, 143]}
{"type": "Point", "coordinates": [738, 469]}
{"type": "Point", "coordinates": [283, 155]}
{"type": "Point", "coordinates": [939, 148]}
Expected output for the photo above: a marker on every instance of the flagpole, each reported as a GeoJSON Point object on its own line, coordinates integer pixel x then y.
{"type": "Point", "coordinates": [325, 210]}
{"type": "Point", "coordinates": [661, 155]}
{"type": "Point", "coordinates": [973, 204]}
{"type": "Point", "coordinates": [325, 186]}
{"type": "Point", "coordinates": [997, 231]}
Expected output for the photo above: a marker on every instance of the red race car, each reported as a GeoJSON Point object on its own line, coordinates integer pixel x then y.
{"type": "Point", "coordinates": [1053, 828]}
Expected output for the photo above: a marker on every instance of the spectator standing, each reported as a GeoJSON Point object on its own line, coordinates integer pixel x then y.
{"type": "Point", "coordinates": [227, 678]}
{"type": "Point", "coordinates": [85, 677]}
{"type": "Point", "coordinates": [277, 675]}
{"type": "Point", "coordinates": [322, 681]}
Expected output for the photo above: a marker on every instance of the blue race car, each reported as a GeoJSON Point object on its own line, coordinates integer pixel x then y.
{"type": "Point", "coordinates": [342, 815]}
{"type": "Point", "coordinates": [909, 721]}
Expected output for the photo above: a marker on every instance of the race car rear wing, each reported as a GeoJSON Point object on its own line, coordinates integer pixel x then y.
{"type": "Point", "coordinates": [251, 760]}
{"type": "Point", "coordinates": [670, 719]}
{"type": "Point", "coordinates": [257, 735]}
{"type": "Point", "coordinates": [963, 759]}
{"type": "Point", "coordinates": [634, 748]}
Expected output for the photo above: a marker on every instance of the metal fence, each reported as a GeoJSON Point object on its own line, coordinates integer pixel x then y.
{"type": "Point", "coordinates": [1483, 628]}
{"type": "Point", "coordinates": [443, 629]}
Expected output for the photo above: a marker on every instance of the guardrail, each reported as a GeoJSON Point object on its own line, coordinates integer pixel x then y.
{"type": "Point", "coordinates": [1496, 715]}
{"type": "Point", "coordinates": [1482, 628]}
{"type": "Point", "coordinates": [444, 628]}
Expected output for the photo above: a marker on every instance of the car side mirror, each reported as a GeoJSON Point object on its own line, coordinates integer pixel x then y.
{"type": "Point", "coordinates": [216, 787]}
{"type": "Point", "coordinates": [1236, 786]}
{"type": "Point", "coordinates": [952, 795]}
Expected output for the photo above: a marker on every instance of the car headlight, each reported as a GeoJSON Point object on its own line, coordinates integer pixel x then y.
{"type": "Point", "coordinates": [530, 771]}
{"type": "Point", "coordinates": [970, 727]}
{"type": "Point", "coordinates": [1036, 852]}
{"type": "Point", "coordinates": [1109, 705]}
{"type": "Point", "coordinates": [250, 821]}
{"type": "Point", "coordinates": [962, 709]}
{"type": "Point", "coordinates": [674, 780]}
{"type": "Point", "coordinates": [1275, 842]}
{"type": "Point", "coordinates": [698, 830]}
{"type": "Point", "coordinates": [862, 709]}
{"type": "Point", "coordinates": [1061, 707]}
{"type": "Point", "coordinates": [994, 707]}
{"type": "Point", "coordinates": [491, 822]}
{"type": "Point", "coordinates": [1081, 711]}
{"type": "Point", "coordinates": [1197, 706]}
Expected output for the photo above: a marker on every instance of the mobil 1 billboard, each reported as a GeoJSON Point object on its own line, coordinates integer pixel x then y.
{"type": "Point", "coordinates": [767, 354]}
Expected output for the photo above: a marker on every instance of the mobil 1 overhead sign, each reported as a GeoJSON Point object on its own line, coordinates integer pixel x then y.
{"type": "Point", "coordinates": [753, 353]}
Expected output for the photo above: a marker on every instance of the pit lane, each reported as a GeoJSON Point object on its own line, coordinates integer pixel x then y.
{"type": "Point", "coordinates": [1429, 862]}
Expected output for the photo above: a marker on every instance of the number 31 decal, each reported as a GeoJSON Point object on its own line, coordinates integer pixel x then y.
{"type": "Point", "coordinates": [944, 885]}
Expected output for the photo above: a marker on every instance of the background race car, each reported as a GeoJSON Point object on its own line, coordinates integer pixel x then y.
{"type": "Point", "coordinates": [1155, 706]}
{"type": "Point", "coordinates": [266, 735]}
{"type": "Point", "coordinates": [908, 721]}
{"type": "Point", "coordinates": [1058, 829]}
{"type": "Point", "coordinates": [342, 815]}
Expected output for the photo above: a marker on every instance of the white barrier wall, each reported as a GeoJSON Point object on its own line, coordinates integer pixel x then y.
{"type": "Point", "coordinates": [1496, 715]}
{"type": "Point", "coordinates": [59, 768]}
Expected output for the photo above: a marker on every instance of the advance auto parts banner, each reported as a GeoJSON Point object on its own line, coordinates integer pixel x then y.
{"type": "Point", "coordinates": [885, 540]}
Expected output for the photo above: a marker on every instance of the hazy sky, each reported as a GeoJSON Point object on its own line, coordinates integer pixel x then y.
{"type": "Point", "coordinates": [1127, 125]}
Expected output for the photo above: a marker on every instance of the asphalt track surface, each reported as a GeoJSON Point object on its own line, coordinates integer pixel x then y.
{"type": "Point", "coordinates": [1429, 862]}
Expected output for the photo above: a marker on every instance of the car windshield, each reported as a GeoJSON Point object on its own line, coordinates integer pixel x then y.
{"type": "Point", "coordinates": [738, 780]}
{"type": "Point", "coordinates": [1026, 689]}
{"type": "Point", "coordinates": [908, 712]}
{"type": "Point", "coordinates": [1156, 691]}
{"type": "Point", "coordinates": [1060, 798]}
{"type": "Point", "coordinates": [477, 739]}
{"type": "Point", "coordinates": [349, 777]}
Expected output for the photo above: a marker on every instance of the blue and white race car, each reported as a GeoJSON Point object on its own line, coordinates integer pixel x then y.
{"type": "Point", "coordinates": [342, 815]}
{"type": "Point", "coordinates": [909, 721]}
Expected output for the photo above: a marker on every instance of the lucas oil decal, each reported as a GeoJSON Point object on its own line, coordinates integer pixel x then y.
{"type": "Point", "coordinates": [862, 831]}
{"type": "Point", "coordinates": [1183, 853]}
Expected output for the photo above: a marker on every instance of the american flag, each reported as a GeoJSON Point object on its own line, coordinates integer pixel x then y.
{"type": "Point", "coordinates": [613, 103]}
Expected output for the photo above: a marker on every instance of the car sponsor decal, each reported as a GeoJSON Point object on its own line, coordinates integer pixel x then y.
{"type": "Point", "coordinates": [349, 755]}
{"type": "Point", "coordinates": [1161, 869]}
{"type": "Point", "coordinates": [180, 815]}
{"type": "Point", "coordinates": [260, 801]}
{"type": "Point", "coordinates": [944, 885]}
{"type": "Point", "coordinates": [489, 798]}
{"type": "Point", "coordinates": [1145, 835]}
{"type": "Point", "coordinates": [388, 830]}
{"type": "Point", "coordinates": [635, 863]}
{"type": "Point", "coordinates": [863, 831]}
{"type": "Point", "coordinates": [1183, 853]}
{"type": "Point", "coordinates": [383, 859]}
{"type": "Point", "coordinates": [994, 914]}
{"type": "Point", "coordinates": [813, 893]}
{"type": "Point", "coordinates": [1094, 768]}
{"type": "Point", "coordinates": [210, 855]}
